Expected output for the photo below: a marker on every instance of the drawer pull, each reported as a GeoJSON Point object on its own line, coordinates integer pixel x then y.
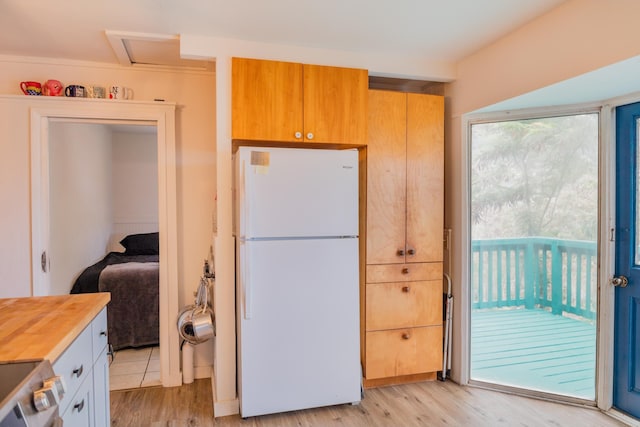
{"type": "Point", "coordinates": [79, 406]}
{"type": "Point", "coordinates": [411, 251]}
{"type": "Point", "coordinates": [400, 252]}
{"type": "Point", "coordinates": [405, 270]}
{"type": "Point", "coordinates": [78, 372]}
{"type": "Point", "coordinates": [103, 333]}
{"type": "Point", "coordinates": [406, 288]}
{"type": "Point", "coordinates": [406, 336]}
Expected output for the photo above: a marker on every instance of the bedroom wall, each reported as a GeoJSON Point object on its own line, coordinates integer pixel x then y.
{"type": "Point", "coordinates": [80, 194]}
{"type": "Point", "coordinates": [194, 94]}
{"type": "Point", "coordinates": [135, 175]}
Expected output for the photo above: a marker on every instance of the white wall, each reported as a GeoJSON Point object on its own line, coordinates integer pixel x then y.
{"type": "Point", "coordinates": [135, 176]}
{"type": "Point", "coordinates": [80, 200]}
{"type": "Point", "coordinates": [194, 92]}
{"type": "Point", "coordinates": [577, 37]}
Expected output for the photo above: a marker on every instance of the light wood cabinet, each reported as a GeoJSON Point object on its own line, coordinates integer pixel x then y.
{"type": "Point", "coordinates": [291, 102]}
{"type": "Point", "coordinates": [404, 229]}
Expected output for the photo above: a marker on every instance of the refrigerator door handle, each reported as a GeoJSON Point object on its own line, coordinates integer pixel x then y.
{"type": "Point", "coordinates": [244, 202]}
{"type": "Point", "coordinates": [246, 281]}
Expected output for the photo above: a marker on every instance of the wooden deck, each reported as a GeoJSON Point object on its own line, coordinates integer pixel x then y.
{"type": "Point", "coordinates": [534, 349]}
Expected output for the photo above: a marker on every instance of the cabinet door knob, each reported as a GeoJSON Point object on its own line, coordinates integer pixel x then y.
{"type": "Point", "coordinates": [406, 288]}
{"type": "Point", "coordinates": [400, 252]}
{"type": "Point", "coordinates": [309, 135]}
{"type": "Point", "coordinates": [406, 336]}
{"type": "Point", "coordinates": [405, 270]}
{"type": "Point", "coordinates": [411, 251]}
{"type": "Point", "coordinates": [298, 135]}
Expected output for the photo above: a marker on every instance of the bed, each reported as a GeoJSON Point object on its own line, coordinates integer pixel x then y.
{"type": "Point", "coordinates": [132, 278]}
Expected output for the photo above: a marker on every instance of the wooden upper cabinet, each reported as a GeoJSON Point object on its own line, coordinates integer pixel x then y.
{"type": "Point", "coordinates": [266, 100]}
{"type": "Point", "coordinates": [290, 102]}
{"type": "Point", "coordinates": [405, 178]}
{"type": "Point", "coordinates": [335, 104]}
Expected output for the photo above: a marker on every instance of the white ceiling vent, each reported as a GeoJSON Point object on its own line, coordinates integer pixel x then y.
{"type": "Point", "coordinates": [144, 49]}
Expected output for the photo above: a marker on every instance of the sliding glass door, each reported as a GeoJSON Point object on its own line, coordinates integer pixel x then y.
{"type": "Point", "coordinates": [534, 224]}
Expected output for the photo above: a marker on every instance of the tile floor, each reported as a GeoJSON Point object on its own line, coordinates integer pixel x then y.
{"type": "Point", "coordinates": [135, 368]}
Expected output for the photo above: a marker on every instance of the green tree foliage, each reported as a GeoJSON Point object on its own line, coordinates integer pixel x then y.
{"type": "Point", "coordinates": [535, 177]}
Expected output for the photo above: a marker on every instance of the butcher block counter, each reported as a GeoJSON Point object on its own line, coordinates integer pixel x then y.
{"type": "Point", "coordinates": [43, 327]}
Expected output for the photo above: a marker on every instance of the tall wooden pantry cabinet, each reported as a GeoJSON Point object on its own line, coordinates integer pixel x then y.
{"type": "Point", "coordinates": [404, 229]}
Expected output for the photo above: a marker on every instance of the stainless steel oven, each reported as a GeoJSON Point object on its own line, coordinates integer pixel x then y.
{"type": "Point", "coordinates": [29, 394]}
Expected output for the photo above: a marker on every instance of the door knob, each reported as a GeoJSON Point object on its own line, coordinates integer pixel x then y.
{"type": "Point", "coordinates": [298, 135]}
{"type": "Point", "coordinates": [620, 281]}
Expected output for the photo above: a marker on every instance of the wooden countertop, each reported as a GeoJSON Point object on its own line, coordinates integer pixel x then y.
{"type": "Point", "coordinates": [43, 327]}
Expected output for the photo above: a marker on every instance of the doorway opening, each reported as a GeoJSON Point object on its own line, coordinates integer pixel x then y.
{"type": "Point", "coordinates": [533, 264]}
{"type": "Point", "coordinates": [144, 115]}
{"type": "Point", "coordinates": [103, 186]}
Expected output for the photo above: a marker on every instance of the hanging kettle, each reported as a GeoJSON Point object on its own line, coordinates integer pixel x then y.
{"type": "Point", "coordinates": [196, 322]}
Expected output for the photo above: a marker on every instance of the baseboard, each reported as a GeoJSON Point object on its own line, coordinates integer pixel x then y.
{"type": "Point", "coordinates": [404, 379]}
{"type": "Point", "coordinates": [222, 409]}
{"type": "Point", "coordinates": [200, 372]}
{"type": "Point", "coordinates": [226, 408]}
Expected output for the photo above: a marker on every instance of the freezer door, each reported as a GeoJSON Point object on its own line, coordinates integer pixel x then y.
{"type": "Point", "coordinates": [298, 325]}
{"type": "Point", "coordinates": [287, 192]}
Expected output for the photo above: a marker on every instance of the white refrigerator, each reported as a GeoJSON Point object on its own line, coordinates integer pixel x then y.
{"type": "Point", "coordinates": [297, 283]}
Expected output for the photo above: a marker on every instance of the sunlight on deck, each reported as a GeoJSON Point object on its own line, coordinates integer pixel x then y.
{"type": "Point", "coordinates": [534, 349]}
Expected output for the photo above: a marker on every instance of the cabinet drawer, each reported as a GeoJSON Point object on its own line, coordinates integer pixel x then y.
{"type": "Point", "coordinates": [381, 273]}
{"type": "Point", "coordinates": [403, 304]}
{"type": "Point", "coordinates": [99, 336]}
{"type": "Point", "coordinates": [78, 412]}
{"type": "Point", "coordinates": [403, 352]}
{"type": "Point", "coordinates": [74, 365]}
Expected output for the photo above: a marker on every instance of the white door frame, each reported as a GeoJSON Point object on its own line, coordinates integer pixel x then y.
{"type": "Point", "coordinates": [107, 111]}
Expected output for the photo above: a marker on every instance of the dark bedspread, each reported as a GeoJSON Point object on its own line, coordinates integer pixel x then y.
{"type": "Point", "coordinates": [133, 316]}
{"type": "Point", "coordinates": [87, 282]}
{"type": "Point", "coordinates": [133, 312]}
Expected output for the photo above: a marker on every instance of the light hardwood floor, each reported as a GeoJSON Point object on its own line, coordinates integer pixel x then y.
{"type": "Point", "coordinates": [432, 403]}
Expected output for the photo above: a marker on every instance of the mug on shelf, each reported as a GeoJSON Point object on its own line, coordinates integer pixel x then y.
{"type": "Point", "coordinates": [95, 92]}
{"type": "Point", "coordinates": [120, 92]}
{"type": "Point", "coordinates": [77, 91]}
{"type": "Point", "coordinates": [52, 88]}
{"type": "Point", "coordinates": [31, 88]}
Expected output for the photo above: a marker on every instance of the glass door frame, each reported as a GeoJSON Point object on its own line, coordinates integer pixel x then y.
{"type": "Point", "coordinates": [606, 254]}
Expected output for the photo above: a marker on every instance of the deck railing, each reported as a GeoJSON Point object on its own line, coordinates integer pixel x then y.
{"type": "Point", "coordinates": [536, 272]}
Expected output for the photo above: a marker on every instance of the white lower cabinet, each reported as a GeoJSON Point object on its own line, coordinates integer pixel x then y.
{"type": "Point", "coordinates": [78, 413]}
{"type": "Point", "coordinates": [85, 368]}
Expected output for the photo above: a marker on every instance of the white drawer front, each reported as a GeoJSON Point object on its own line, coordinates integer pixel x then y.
{"type": "Point", "coordinates": [75, 365]}
{"type": "Point", "coordinates": [99, 332]}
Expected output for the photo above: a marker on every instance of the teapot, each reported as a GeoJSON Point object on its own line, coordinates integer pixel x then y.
{"type": "Point", "coordinates": [52, 88]}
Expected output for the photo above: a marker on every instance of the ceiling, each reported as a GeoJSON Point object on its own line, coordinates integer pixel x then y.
{"type": "Point", "coordinates": [148, 31]}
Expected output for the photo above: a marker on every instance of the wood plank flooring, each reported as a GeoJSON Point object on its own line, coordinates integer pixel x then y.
{"type": "Point", "coordinates": [431, 403]}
